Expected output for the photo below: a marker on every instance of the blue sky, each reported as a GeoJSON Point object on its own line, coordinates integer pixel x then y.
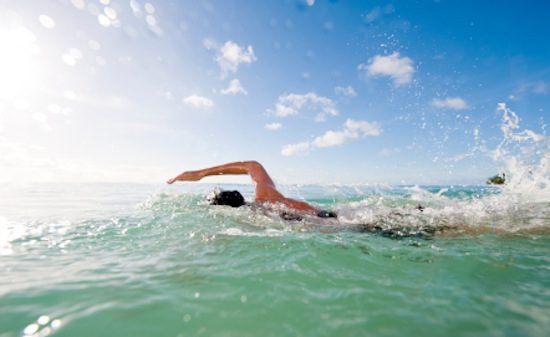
{"type": "Point", "coordinates": [398, 92]}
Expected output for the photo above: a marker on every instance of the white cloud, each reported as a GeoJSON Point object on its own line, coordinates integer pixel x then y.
{"type": "Point", "coordinates": [291, 104]}
{"type": "Point", "coordinates": [310, 2]}
{"type": "Point", "coordinates": [292, 149]}
{"type": "Point", "coordinates": [345, 91]}
{"type": "Point", "coordinates": [330, 138]}
{"type": "Point", "coordinates": [352, 130]}
{"type": "Point", "coordinates": [235, 87]}
{"type": "Point", "coordinates": [362, 128]}
{"type": "Point", "coordinates": [199, 102]}
{"type": "Point", "coordinates": [455, 103]}
{"type": "Point", "coordinates": [400, 69]}
{"type": "Point", "coordinates": [273, 126]}
{"type": "Point", "coordinates": [230, 55]}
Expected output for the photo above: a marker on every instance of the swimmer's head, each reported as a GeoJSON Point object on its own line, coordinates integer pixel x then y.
{"type": "Point", "coordinates": [227, 198]}
{"type": "Point", "coordinates": [326, 214]}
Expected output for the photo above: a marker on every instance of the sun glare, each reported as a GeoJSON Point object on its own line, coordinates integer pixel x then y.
{"type": "Point", "coordinates": [18, 66]}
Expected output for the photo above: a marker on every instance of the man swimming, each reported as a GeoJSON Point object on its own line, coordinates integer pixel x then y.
{"type": "Point", "coordinates": [266, 192]}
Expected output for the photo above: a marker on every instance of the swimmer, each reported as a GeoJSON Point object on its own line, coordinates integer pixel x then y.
{"type": "Point", "coordinates": [266, 192]}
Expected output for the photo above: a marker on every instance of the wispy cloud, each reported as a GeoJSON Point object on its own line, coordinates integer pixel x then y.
{"type": "Point", "coordinates": [352, 130]}
{"type": "Point", "coordinates": [235, 87]}
{"type": "Point", "coordinates": [292, 104]}
{"type": "Point", "coordinates": [345, 91]}
{"type": "Point", "coordinates": [198, 102]}
{"type": "Point", "coordinates": [540, 88]}
{"type": "Point", "coordinates": [292, 149]}
{"type": "Point", "coordinates": [377, 12]}
{"type": "Point", "coordinates": [399, 69]}
{"type": "Point", "coordinates": [373, 15]}
{"type": "Point", "coordinates": [457, 158]}
{"type": "Point", "coordinates": [273, 126]}
{"type": "Point", "coordinates": [455, 103]}
{"type": "Point", "coordinates": [388, 152]}
{"type": "Point", "coordinates": [230, 55]}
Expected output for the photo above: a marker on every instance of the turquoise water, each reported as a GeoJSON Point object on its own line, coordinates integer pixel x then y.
{"type": "Point", "coordinates": [148, 260]}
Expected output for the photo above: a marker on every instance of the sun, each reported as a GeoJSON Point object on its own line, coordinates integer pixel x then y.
{"type": "Point", "coordinates": [19, 70]}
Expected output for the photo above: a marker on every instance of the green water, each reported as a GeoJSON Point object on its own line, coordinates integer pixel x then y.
{"type": "Point", "coordinates": [169, 265]}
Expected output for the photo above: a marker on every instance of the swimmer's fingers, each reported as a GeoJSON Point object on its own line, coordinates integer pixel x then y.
{"type": "Point", "coordinates": [185, 176]}
{"type": "Point", "coordinates": [176, 178]}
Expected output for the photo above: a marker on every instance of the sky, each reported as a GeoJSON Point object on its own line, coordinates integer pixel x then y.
{"type": "Point", "coordinates": [318, 91]}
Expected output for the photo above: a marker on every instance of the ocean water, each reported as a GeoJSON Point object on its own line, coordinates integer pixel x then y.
{"type": "Point", "coordinates": [156, 260]}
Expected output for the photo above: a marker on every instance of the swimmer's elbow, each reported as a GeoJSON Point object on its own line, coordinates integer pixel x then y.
{"type": "Point", "coordinates": [253, 164]}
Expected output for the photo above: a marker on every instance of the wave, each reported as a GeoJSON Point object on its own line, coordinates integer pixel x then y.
{"type": "Point", "coordinates": [400, 212]}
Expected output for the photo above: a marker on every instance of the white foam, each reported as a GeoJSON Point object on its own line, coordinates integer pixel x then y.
{"type": "Point", "coordinates": [270, 232]}
{"type": "Point", "coordinates": [525, 159]}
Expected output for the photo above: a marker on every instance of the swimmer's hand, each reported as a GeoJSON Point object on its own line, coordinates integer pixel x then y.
{"type": "Point", "coordinates": [185, 176]}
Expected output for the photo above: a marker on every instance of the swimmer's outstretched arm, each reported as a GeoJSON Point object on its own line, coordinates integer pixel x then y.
{"type": "Point", "coordinates": [265, 188]}
{"type": "Point", "coordinates": [252, 168]}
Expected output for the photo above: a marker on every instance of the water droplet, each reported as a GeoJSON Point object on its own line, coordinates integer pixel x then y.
{"type": "Point", "coordinates": [244, 298]}
{"type": "Point", "coordinates": [43, 320]}
{"type": "Point", "coordinates": [149, 8]}
{"type": "Point", "coordinates": [110, 12]}
{"type": "Point", "coordinates": [78, 3]}
{"type": "Point", "coordinates": [56, 323]}
{"type": "Point", "coordinates": [103, 20]}
{"type": "Point", "coordinates": [68, 59]}
{"type": "Point", "coordinates": [46, 21]}
{"type": "Point", "coordinates": [135, 8]}
{"type": "Point", "coordinates": [151, 20]}
{"type": "Point", "coordinates": [31, 329]}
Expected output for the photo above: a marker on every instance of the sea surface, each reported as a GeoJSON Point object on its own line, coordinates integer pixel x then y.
{"type": "Point", "coordinates": [157, 260]}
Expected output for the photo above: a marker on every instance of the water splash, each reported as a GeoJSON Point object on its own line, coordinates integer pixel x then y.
{"type": "Point", "coordinates": [518, 206]}
{"type": "Point", "coordinates": [525, 159]}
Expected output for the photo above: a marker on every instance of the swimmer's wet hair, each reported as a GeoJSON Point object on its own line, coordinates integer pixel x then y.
{"type": "Point", "coordinates": [227, 198]}
{"type": "Point", "coordinates": [326, 214]}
